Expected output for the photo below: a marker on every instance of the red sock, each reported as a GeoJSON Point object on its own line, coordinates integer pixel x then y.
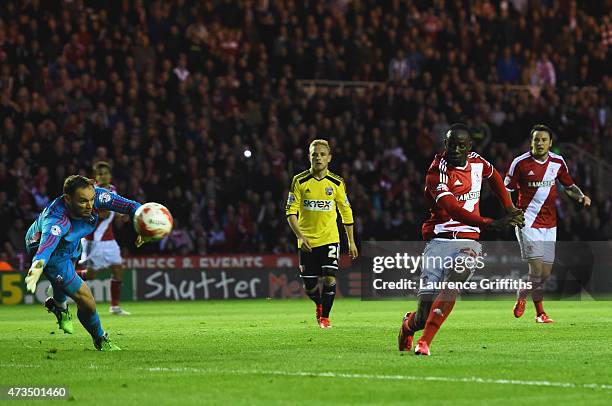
{"type": "Point", "coordinates": [115, 291]}
{"type": "Point", "coordinates": [523, 293]}
{"type": "Point", "coordinates": [411, 323]}
{"type": "Point", "coordinates": [537, 294]}
{"type": "Point", "coordinates": [440, 309]}
{"type": "Point", "coordinates": [539, 307]}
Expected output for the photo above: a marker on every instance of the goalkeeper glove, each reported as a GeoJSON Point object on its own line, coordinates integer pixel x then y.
{"type": "Point", "coordinates": [34, 274]}
{"type": "Point", "coordinates": [143, 240]}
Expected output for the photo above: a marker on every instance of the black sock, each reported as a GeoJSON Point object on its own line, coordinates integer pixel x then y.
{"type": "Point", "coordinates": [329, 293]}
{"type": "Point", "coordinates": [311, 286]}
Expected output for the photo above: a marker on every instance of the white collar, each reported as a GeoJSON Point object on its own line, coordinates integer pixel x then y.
{"type": "Point", "coordinates": [538, 161]}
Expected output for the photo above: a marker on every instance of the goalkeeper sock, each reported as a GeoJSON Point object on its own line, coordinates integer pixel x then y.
{"type": "Point", "coordinates": [61, 305]}
{"type": "Point", "coordinates": [59, 297]}
{"type": "Point", "coordinates": [91, 322]}
{"type": "Point", "coordinates": [440, 309]}
{"type": "Point", "coordinates": [329, 293]}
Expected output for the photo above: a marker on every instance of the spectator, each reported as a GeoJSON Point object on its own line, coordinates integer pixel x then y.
{"type": "Point", "coordinates": [545, 71]}
{"type": "Point", "coordinates": [508, 69]}
{"type": "Point", "coordinates": [399, 67]}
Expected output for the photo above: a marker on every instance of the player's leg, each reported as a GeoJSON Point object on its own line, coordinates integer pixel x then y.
{"type": "Point", "coordinates": [534, 276]}
{"type": "Point", "coordinates": [432, 271]}
{"type": "Point", "coordinates": [57, 303]}
{"type": "Point", "coordinates": [328, 261]}
{"type": "Point", "coordinates": [83, 264]}
{"type": "Point", "coordinates": [537, 294]}
{"type": "Point", "coordinates": [444, 302]}
{"type": "Point", "coordinates": [310, 280]}
{"type": "Point", "coordinates": [537, 284]}
{"type": "Point", "coordinates": [90, 319]}
{"type": "Point", "coordinates": [440, 309]}
{"type": "Point", "coordinates": [546, 270]}
{"type": "Point", "coordinates": [531, 252]}
{"type": "Point", "coordinates": [87, 314]}
{"type": "Point", "coordinates": [110, 254]}
{"type": "Point", "coordinates": [327, 300]}
{"type": "Point", "coordinates": [414, 321]}
{"type": "Point", "coordinates": [115, 290]}
{"type": "Point", "coordinates": [549, 236]}
{"type": "Point", "coordinates": [417, 322]}
{"type": "Point", "coordinates": [84, 273]}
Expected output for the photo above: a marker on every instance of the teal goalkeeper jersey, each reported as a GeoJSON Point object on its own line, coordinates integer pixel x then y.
{"type": "Point", "coordinates": [55, 237]}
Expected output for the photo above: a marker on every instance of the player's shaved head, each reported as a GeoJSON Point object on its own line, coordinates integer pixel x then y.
{"type": "Point", "coordinates": [458, 129]}
{"type": "Point", "coordinates": [458, 143]}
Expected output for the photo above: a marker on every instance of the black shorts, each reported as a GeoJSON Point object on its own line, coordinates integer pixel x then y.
{"type": "Point", "coordinates": [322, 261]}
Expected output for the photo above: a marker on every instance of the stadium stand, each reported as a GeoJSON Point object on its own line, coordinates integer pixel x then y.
{"type": "Point", "coordinates": [174, 93]}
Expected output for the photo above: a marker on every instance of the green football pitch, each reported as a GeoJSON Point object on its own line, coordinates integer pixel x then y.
{"type": "Point", "coordinates": [272, 352]}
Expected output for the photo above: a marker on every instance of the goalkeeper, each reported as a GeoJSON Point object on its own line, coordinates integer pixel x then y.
{"type": "Point", "coordinates": [54, 240]}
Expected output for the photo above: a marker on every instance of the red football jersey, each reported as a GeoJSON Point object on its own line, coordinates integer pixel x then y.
{"type": "Point", "coordinates": [464, 183]}
{"type": "Point", "coordinates": [104, 230]}
{"type": "Point", "coordinates": [535, 181]}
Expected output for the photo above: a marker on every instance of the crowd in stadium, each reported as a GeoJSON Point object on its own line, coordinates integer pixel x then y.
{"type": "Point", "coordinates": [200, 105]}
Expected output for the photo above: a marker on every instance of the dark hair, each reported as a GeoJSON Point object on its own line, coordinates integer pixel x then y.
{"type": "Point", "coordinates": [541, 127]}
{"type": "Point", "coordinates": [100, 165]}
{"type": "Point", "coordinates": [74, 182]}
{"type": "Point", "coordinates": [458, 127]}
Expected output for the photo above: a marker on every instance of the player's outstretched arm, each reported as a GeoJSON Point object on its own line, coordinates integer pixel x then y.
{"type": "Point", "coordinates": [105, 199]}
{"type": "Point", "coordinates": [53, 230]}
{"type": "Point", "coordinates": [575, 193]}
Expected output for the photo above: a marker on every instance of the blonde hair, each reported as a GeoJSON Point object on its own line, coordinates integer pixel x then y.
{"type": "Point", "coordinates": [322, 142]}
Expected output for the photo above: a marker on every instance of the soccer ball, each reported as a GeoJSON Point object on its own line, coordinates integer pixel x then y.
{"type": "Point", "coordinates": [153, 221]}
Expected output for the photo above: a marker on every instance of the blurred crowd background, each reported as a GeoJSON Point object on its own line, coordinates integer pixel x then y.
{"type": "Point", "coordinates": [202, 106]}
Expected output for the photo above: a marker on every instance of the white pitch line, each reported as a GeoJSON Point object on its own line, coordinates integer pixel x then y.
{"type": "Point", "coordinates": [472, 379]}
{"type": "Point", "coordinates": [18, 366]}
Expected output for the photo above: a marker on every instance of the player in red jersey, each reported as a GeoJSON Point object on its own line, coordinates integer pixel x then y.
{"type": "Point", "coordinates": [534, 175]}
{"type": "Point", "coordinates": [100, 249]}
{"type": "Point", "coordinates": [453, 185]}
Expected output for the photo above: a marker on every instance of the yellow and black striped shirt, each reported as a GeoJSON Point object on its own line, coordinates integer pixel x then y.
{"type": "Point", "coordinates": [315, 201]}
